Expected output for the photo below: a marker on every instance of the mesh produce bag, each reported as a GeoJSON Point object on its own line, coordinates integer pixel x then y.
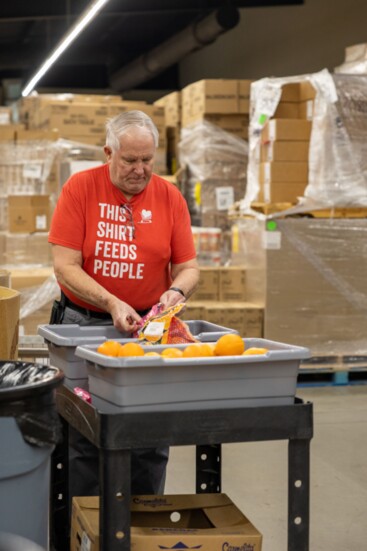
{"type": "Point", "coordinates": [163, 327]}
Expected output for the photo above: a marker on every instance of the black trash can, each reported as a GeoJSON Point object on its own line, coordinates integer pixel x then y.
{"type": "Point", "coordinates": [29, 429]}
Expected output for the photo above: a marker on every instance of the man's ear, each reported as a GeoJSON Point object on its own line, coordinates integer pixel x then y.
{"type": "Point", "coordinates": [108, 152]}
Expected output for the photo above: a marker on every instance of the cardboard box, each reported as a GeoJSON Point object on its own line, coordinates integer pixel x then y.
{"type": "Point", "coordinates": [215, 96]}
{"type": "Point", "coordinates": [30, 249]}
{"type": "Point", "coordinates": [194, 310]}
{"type": "Point", "coordinates": [208, 288]}
{"type": "Point", "coordinates": [287, 110]}
{"type": "Point", "coordinates": [294, 110]}
{"type": "Point", "coordinates": [215, 313]}
{"type": "Point", "coordinates": [211, 522]}
{"type": "Point", "coordinates": [286, 129]}
{"type": "Point", "coordinates": [172, 108]}
{"type": "Point", "coordinates": [4, 278]}
{"type": "Point", "coordinates": [281, 192]}
{"type": "Point", "coordinates": [306, 109]}
{"type": "Point", "coordinates": [9, 323]}
{"type": "Point", "coordinates": [28, 213]}
{"type": "Point", "coordinates": [244, 317]}
{"type": "Point", "coordinates": [283, 172]}
{"type": "Point", "coordinates": [297, 92]}
{"type": "Point", "coordinates": [244, 91]}
{"type": "Point", "coordinates": [5, 115]}
{"type": "Point", "coordinates": [285, 151]}
{"type": "Point", "coordinates": [232, 284]}
{"type": "Point", "coordinates": [24, 278]}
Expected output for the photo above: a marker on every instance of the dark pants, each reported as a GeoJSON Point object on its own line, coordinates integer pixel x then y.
{"type": "Point", "coordinates": [148, 466]}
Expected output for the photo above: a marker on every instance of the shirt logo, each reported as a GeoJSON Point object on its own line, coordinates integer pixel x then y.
{"type": "Point", "coordinates": [146, 217]}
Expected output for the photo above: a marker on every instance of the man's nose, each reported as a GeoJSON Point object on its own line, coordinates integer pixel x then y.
{"type": "Point", "coordinates": [139, 167]}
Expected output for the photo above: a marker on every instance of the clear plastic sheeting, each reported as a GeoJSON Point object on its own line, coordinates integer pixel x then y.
{"type": "Point", "coordinates": [76, 156]}
{"type": "Point", "coordinates": [35, 298]}
{"type": "Point", "coordinates": [338, 161]}
{"type": "Point", "coordinates": [208, 151]}
{"type": "Point", "coordinates": [337, 171]}
{"type": "Point", "coordinates": [25, 167]}
{"type": "Point", "coordinates": [216, 172]}
{"type": "Point", "coordinates": [310, 274]}
{"type": "Point", "coordinates": [316, 285]}
{"type": "Point", "coordinates": [355, 61]}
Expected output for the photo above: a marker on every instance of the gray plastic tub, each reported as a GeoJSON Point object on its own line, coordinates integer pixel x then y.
{"type": "Point", "coordinates": [155, 383]}
{"type": "Point", "coordinates": [62, 341]}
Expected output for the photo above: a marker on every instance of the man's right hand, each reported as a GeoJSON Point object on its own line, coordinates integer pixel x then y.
{"type": "Point", "coordinates": [125, 318]}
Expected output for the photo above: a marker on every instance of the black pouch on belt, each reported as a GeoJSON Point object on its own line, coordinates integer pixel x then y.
{"type": "Point", "coordinates": [57, 311]}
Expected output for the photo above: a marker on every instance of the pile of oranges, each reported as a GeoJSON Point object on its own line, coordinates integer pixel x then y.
{"type": "Point", "coordinates": [227, 345]}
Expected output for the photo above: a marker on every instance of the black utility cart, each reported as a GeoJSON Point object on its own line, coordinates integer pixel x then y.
{"type": "Point", "coordinates": [117, 434]}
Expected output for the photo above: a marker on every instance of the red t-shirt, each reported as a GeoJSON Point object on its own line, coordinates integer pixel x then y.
{"type": "Point", "coordinates": [131, 261]}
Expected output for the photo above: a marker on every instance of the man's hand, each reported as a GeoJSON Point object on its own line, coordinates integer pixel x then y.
{"type": "Point", "coordinates": [125, 318]}
{"type": "Point", "coordinates": [171, 298]}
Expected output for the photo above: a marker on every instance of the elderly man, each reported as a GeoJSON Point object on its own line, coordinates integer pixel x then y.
{"type": "Point", "coordinates": [122, 242]}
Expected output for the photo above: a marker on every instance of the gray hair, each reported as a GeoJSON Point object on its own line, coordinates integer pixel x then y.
{"type": "Point", "coordinates": [119, 125]}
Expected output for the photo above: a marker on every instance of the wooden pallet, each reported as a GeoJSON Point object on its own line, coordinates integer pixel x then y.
{"type": "Point", "coordinates": [272, 208]}
{"type": "Point", "coordinates": [358, 212]}
{"type": "Point", "coordinates": [335, 370]}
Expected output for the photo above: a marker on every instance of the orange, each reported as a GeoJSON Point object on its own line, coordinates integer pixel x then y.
{"type": "Point", "coordinates": [109, 348]}
{"type": "Point", "coordinates": [192, 351]}
{"type": "Point", "coordinates": [172, 353]}
{"type": "Point", "coordinates": [254, 350]}
{"type": "Point", "coordinates": [229, 345]}
{"type": "Point", "coordinates": [151, 354]}
{"type": "Point", "coordinates": [206, 349]}
{"type": "Point", "coordinates": [131, 349]}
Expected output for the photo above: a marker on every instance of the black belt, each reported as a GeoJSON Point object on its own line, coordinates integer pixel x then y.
{"type": "Point", "coordinates": [92, 313]}
{"type": "Point", "coordinates": [86, 311]}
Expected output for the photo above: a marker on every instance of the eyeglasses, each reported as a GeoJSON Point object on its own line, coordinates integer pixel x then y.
{"type": "Point", "coordinates": [126, 210]}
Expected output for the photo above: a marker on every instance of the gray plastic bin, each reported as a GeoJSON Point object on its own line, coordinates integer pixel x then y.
{"type": "Point", "coordinates": [29, 429]}
{"type": "Point", "coordinates": [155, 383]}
{"type": "Point", "coordinates": [62, 341]}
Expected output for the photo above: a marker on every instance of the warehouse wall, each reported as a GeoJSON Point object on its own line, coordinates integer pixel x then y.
{"type": "Point", "coordinates": [281, 41]}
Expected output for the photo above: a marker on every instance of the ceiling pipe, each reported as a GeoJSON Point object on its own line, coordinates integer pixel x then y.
{"type": "Point", "coordinates": [194, 37]}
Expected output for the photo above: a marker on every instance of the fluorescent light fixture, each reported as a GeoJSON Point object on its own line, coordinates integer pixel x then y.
{"type": "Point", "coordinates": [75, 30]}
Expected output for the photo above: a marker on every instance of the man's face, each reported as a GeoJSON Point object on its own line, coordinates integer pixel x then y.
{"type": "Point", "coordinates": [132, 165]}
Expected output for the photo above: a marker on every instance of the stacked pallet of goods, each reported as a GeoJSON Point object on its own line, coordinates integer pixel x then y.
{"type": "Point", "coordinates": [311, 257]}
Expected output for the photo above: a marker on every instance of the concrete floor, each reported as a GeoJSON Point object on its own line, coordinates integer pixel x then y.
{"type": "Point", "coordinates": [254, 475]}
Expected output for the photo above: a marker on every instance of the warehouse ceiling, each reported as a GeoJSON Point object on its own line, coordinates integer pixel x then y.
{"type": "Point", "coordinates": [131, 44]}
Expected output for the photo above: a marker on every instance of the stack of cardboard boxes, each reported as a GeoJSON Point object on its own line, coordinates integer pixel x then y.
{"type": "Point", "coordinates": [284, 146]}
{"type": "Point", "coordinates": [82, 118]}
{"type": "Point", "coordinates": [172, 117]}
{"type": "Point", "coordinates": [24, 203]}
{"type": "Point", "coordinates": [222, 298]}
{"type": "Point", "coordinates": [222, 102]}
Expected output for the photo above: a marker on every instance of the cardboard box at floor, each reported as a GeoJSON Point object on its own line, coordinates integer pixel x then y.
{"type": "Point", "coordinates": [211, 522]}
{"type": "Point", "coordinates": [9, 323]}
